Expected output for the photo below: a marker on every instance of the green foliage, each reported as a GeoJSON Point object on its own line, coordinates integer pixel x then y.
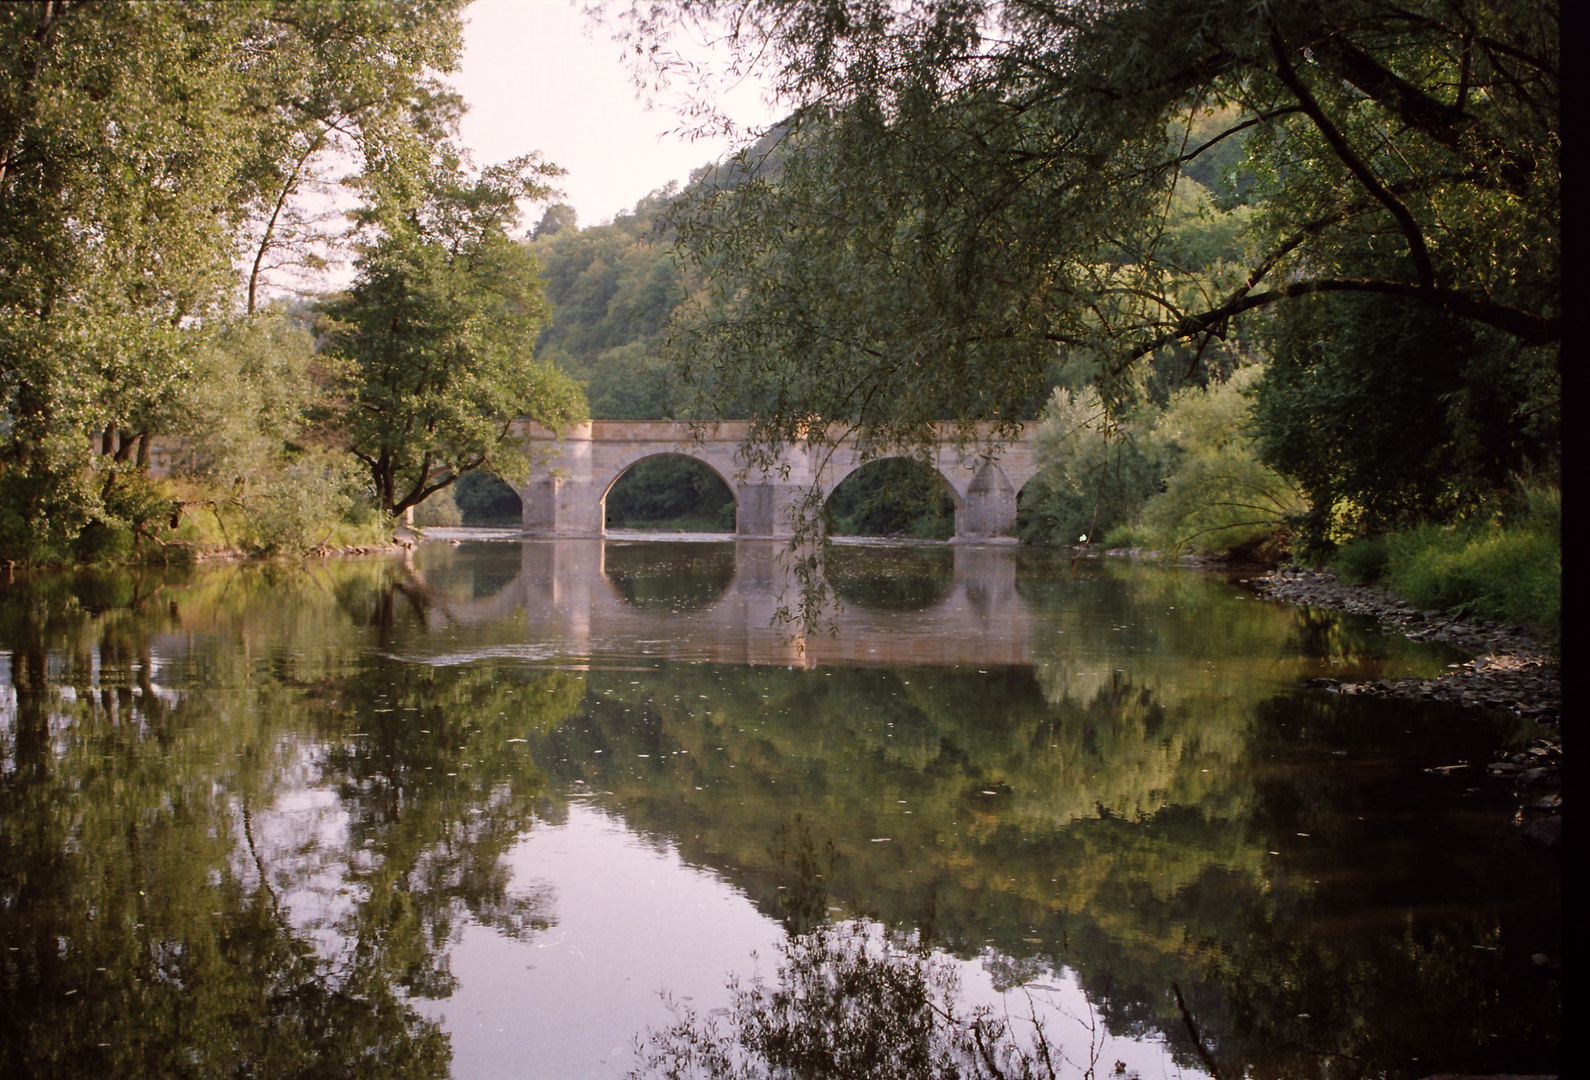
{"type": "Point", "coordinates": [1361, 561]}
{"type": "Point", "coordinates": [1216, 495]}
{"type": "Point", "coordinates": [484, 499]}
{"type": "Point", "coordinates": [1507, 568]}
{"type": "Point", "coordinates": [892, 497]}
{"type": "Point", "coordinates": [1096, 476]}
{"type": "Point", "coordinates": [440, 510]}
{"type": "Point", "coordinates": [306, 498]}
{"type": "Point", "coordinates": [973, 202]}
{"type": "Point", "coordinates": [246, 456]}
{"type": "Point", "coordinates": [431, 345]}
{"type": "Point", "coordinates": [146, 150]}
{"type": "Point", "coordinates": [1509, 571]}
{"type": "Point", "coordinates": [612, 288]}
{"type": "Point", "coordinates": [629, 382]}
{"type": "Point", "coordinates": [1387, 415]}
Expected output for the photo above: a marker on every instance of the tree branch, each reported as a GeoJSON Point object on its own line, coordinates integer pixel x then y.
{"type": "Point", "coordinates": [1527, 326]}
{"type": "Point", "coordinates": [1355, 164]}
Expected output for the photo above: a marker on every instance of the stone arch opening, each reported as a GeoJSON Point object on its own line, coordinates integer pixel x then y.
{"type": "Point", "coordinates": [675, 576]}
{"type": "Point", "coordinates": [672, 493]}
{"type": "Point", "coordinates": [893, 496]}
{"type": "Point", "coordinates": [487, 500]}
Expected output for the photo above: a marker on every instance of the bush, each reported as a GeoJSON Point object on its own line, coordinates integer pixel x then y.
{"type": "Point", "coordinates": [1217, 494]}
{"type": "Point", "coordinates": [1508, 573]}
{"type": "Point", "coordinates": [1507, 568]}
{"type": "Point", "coordinates": [1096, 475]}
{"type": "Point", "coordinates": [484, 499]}
{"type": "Point", "coordinates": [1127, 536]}
{"type": "Point", "coordinates": [892, 497]}
{"type": "Point", "coordinates": [671, 491]}
{"type": "Point", "coordinates": [439, 511]}
{"type": "Point", "coordinates": [1361, 561]}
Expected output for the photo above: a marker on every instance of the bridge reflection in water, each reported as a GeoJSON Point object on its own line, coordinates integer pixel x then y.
{"type": "Point", "coordinates": [571, 596]}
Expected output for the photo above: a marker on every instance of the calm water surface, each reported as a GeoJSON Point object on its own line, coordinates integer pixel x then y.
{"type": "Point", "coordinates": [485, 811]}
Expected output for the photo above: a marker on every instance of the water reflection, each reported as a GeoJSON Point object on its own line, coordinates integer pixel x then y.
{"type": "Point", "coordinates": [360, 817]}
{"type": "Point", "coordinates": [689, 577]}
{"type": "Point", "coordinates": [898, 579]}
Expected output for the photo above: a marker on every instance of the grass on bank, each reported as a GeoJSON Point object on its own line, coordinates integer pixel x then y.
{"type": "Point", "coordinates": [1508, 570]}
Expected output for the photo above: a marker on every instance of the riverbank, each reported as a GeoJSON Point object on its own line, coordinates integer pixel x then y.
{"type": "Point", "coordinates": [1511, 671]}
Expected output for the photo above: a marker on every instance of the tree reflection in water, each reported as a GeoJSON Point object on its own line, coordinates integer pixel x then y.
{"type": "Point", "coordinates": [851, 999]}
{"type": "Point", "coordinates": [247, 816]}
{"type": "Point", "coordinates": [224, 861]}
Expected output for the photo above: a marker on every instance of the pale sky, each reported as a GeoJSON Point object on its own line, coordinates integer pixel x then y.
{"type": "Point", "coordinates": [537, 76]}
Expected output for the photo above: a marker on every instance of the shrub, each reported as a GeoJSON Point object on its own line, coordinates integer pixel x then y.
{"type": "Point", "coordinates": [1097, 473]}
{"type": "Point", "coordinates": [1510, 573]}
{"type": "Point", "coordinates": [1506, 568]}
{"type": "Point", "coordinates": [439, 511]}
{"type": "Point", "coordinates": [1217, 494]}
{"type": "Point", "coordinates": [1361, 561]}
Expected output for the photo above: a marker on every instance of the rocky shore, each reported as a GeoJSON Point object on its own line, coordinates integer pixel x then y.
{"type": "Point", "coordinates": [1511, 671]}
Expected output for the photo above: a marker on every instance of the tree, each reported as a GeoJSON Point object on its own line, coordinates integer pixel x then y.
{"type": "Point", "coordinates": [972, 190]}
{"type": "Point", "coordinates": [555, 219]}
{"type": "Point", "coordinates": [432, 344]}
{"type": "Point", "coordinates": [145, 151]}
{"type": "Point", "coordinates": [330, 86]}
{"type": "Point", "coordinates": [1217, 494]}
{"type": "Point", "coordinates": [245, 452]}
{"type": "Point", "coordinates": [118, 142]}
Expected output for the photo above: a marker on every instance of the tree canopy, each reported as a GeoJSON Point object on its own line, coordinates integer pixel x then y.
{"type": "Point", "coordinates": [163, 168]}
{"type": "Point", "coordinates": [973, 191]}
{"type": "Point", "coordinates": [434, 338]}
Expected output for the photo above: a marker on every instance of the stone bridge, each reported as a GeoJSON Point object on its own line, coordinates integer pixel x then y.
{"type": "Point", "coordinates": [567, 497]}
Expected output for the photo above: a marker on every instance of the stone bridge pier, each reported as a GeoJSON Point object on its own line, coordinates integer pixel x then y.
{"type": "Point", "coordinates": [567, 496]}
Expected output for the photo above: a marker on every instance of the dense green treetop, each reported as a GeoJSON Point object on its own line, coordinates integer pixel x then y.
{"type": "Point", "coordinates": [148, 154]}
{"type": "Point", "coordinates": [147, 151]}
{"type": "Point", "coordinates": [612, 288]}
{"type": "Point", "coordinates": [433, 340]}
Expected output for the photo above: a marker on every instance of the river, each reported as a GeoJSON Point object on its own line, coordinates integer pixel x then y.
{"type": "Point", "coordinates": [513, 809]}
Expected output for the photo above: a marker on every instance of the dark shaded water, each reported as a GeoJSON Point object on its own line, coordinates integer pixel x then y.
{"type": "Point", "coordinates": [468, 814]}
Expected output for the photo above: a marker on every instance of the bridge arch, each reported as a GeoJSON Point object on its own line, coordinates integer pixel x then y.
{"type": "Point", "coordinates": [900, 480]}
{"type": "Point", "coordinates": [681, 490]}
{"type": "Point", "coordinates": [567, 498]}
{"type": "Point", "coordinates": [628, 462]}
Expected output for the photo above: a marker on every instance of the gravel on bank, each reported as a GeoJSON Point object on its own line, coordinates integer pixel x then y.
{"type": "Point", "coordinates": [1511, 671]}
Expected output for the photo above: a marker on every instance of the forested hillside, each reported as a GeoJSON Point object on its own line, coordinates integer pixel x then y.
{"type": "Point", "coordinates": [612, 287]}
